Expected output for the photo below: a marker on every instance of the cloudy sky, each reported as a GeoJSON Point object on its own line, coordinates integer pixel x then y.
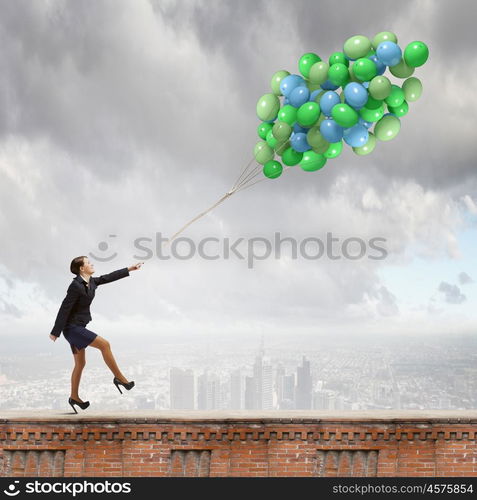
{"type": "Point", "coordinates": [122, 119]}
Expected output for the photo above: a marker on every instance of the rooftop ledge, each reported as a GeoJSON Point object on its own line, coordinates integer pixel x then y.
{"type": "Point", "coordinates": [262, 416]}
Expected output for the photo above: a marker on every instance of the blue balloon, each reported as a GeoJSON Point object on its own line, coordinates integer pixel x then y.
{"type": "Point", "coordinates": [299, 143]}
{"type": "Point", "coordinates": [327, 101]}
{"type": "Point", "coordinates": [356, 136]}
{"type": "Point", "coordinates": [389, 53]}
{"type": "Point", "coordinates": [356, 95]}
{"type": "Point", "coordinates": [289, 83]}
{"type": "Point", "coordinates": [286, 101]}
{"type": "Point", "coordinates": [365, 123]}
{"type": "Point", "coordinates": [328, 85]}
{"type": "Point", "coordinates": [365, 84]}
{"type": "Point", "coordinates": [331, 131]}
{"type": "Point", "coordinates": [298, 96]}
{"type": "Point", "coordinates": [380, 67]}
{"type": "Point", "coordinates": [314, 94]}
{"type": "Point", "coordinates": [298, 128]}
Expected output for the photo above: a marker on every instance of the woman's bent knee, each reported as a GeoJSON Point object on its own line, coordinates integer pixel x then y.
{"type": "Point", "coordinates": [100, 343]}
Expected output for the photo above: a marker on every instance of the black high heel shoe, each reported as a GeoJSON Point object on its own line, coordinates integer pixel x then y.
{"type": "Point", "coordinates": [128, 386]}
{"type": "Point", "coordinates": [73, 402]}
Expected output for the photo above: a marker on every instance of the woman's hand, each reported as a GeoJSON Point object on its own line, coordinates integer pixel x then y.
{"type": "Point", "coordinates": [135, 267]}
{"type": "Point", "coordinates": [53, 337]}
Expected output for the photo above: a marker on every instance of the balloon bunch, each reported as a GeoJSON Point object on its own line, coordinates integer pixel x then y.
{"type": "Point", "coordinates": [314, 118]}
{"type": "Point", "coordinates": [310, 124]}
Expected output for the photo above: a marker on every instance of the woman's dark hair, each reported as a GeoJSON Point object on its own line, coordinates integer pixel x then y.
{"type": "Point", "coordinates": [76, 263]}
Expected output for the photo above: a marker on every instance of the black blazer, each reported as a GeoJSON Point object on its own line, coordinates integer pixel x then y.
{"type": "Point", "coordinates": [75, 306]}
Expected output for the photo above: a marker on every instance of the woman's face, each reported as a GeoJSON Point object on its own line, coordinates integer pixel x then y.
{"type": "Point", "coordinates": [87, 267]}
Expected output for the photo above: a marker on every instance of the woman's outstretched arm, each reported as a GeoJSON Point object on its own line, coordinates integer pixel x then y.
{"type": "Point", "coordinates": [116, 275]}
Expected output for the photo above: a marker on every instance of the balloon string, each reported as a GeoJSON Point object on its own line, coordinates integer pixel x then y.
{"type": "Point", "coordinates": [256, 182]}
{"type": "Point", "coordinates": [239, 179]}
{"type": "Point", "coordinates": [242, 182]}
{"type": "Point", "coordinates": [250, 175]}
{"type": "Point", "coordinates": [185, 226]}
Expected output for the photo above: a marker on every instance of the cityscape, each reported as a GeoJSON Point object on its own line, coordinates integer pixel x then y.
{"type": "Point", "coordinates": [309, 373]}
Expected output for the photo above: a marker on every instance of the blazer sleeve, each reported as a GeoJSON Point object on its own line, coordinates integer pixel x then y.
{"type": "Point", "coordinates": [68, 302]}
{"type": "Point", "coordinates": [108, 278]}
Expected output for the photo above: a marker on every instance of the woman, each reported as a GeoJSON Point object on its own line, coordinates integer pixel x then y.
{"type": "Point", "coordinates": [74, 315]}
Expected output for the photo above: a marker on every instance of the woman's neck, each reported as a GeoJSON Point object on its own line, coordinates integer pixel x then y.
{"type": "Point", "coordinates": [85, 277]}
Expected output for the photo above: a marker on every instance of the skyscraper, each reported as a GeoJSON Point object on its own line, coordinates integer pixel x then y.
{"type": "Point", "coordinates": [182, 389]}
{"type": "Point", "coordinates": [263, 383]}
{"type": "Point", "coordinates": [236, 390]}
{"type": "Point", "coordinates": [209, 395]}
{"type": "Point", "coordinates": [303, 386]}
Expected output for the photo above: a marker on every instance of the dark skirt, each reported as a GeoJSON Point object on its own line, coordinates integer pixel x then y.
{"type": "Point", "coordinates": [78, 336]}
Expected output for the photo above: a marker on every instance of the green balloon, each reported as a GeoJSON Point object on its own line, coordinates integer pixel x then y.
{"type": "Point", "coordinates": [364, 69]}
{"type": "Point", "coordinates": [371, 115]}
{"type": "Point", "coordinates": [368, 147]}
{"type": "Point", "coordinates": [287, 114]}
{"type": "Point", "coordinates": [352, 76]}
{"type": "Point", "coordinates": [276, 79]}
{"type": "Point", "coordinates": [379, 87]}
{"type": "Point", "coordinates": [271, 141]}
{"type": "Point", "coordinates": [272, 169]}
{"type": "Point", "coordinates": [282, 147]}
{"type": "Point", "coordinates": [267, 107]}
{"type": "Point", "coordinates": [281, 131]}
{"type": "Point", "coordinates": [373, 103]}
{"type": "Point", "coordinates": [344, 115]}
{"type": "Point", "coordinates": [263, 152]}
{"type": "Point", "coordinates": [401, 70]}
{"type": "Point", "coordinates": [338, 74]}
{"type": "Point", "coordinates": [384, 36]}
{"type": "Point", "coordinates": [308, 114]}
{"type": "Point", "coordinates": [338, 57]}
{"type": "Point", "coordinates": [306, 62]}
{"type": "Point", "coordinates": [416, 54]}
{"type": "Point", "coordinates": [401, 110]}
{"type": "Point", "coordinates": [291, 157]}
{"type": "Point", "coordinates": [357, 46]}
{"type": "Point", "coordinates": [387, 128]}
{"type": "Point", "coordinates": [412, 88]}
{"type": "Point", "coordinates": [396, 97]}
{"type": "Point", "coordinates": [263, 129]}
{"type": "Point", "coordinates": [321, 149]}
{"type": "Point", "coordinates": [315, 138]}
{"type": "Point", "coordinates": [313, 86]}
{"type": "Point", "coordinates": [334, 150]}
{"type": "Point", "coordinates": [319, 72]}
{"type": "Point", "coordinates": [312, 161]}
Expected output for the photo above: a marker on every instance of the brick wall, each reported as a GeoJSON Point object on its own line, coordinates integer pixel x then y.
{"type": "Point", "coordinates": [217, 444]}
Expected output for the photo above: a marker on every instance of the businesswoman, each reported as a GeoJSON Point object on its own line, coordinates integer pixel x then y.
{"type": "Point", "coordinates": [74, 315]}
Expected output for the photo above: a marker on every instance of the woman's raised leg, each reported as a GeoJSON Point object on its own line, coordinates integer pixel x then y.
{"type": "Point", "coordinates": [105, 347]}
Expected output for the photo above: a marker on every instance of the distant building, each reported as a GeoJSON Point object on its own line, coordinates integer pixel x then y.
{"type": "Point", "coordinates": [182, 389]}
{"type": "Point", "coordinates": [285, 389]}
{"type": "Point", "coordinates": [236, 390]}
{"type": "Point", "coordinates": [303, 386]}
{"type": "Point", "coordinates": [259, 387]}
{"type": "Point", "coordinates": [250, 393]}
{"type": "Point", "coordinates": [209, 392]}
